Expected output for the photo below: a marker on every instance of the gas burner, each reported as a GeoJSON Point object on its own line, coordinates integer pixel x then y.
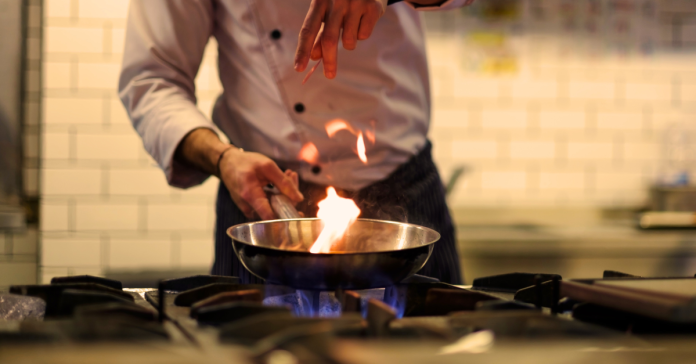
{"type": "Point", "coordinates": [62, 298]}
{"type": "Point", "coordinates": [420, 296]}
{"type": "Point", "coordinates": [87, 308]}
{"type": "Point", "coordinates": [512, 282]}
{"type": "Point", "coordinates": [272, 319]}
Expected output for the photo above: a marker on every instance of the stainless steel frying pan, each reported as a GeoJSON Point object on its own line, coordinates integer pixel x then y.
{"type": "Point", "coordinates": [373, 253]}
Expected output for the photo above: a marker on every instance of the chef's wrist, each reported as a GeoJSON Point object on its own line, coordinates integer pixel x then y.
{"type": "Point", "coordinates": [201, 149]}
{"type": "Point", "coordinates": [229, 151]}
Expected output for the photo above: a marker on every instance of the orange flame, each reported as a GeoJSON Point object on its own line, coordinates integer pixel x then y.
{"type": "Point", "coordinates": [361, 148]}
{"type": "Point", "coordinates": [309, 153]}
{"type": "Point", "coordinates": [370, 134]}
{"type": "Point", "coordinates": [337, 214]}
{"type": "Point", "coordinates": [336, 125]}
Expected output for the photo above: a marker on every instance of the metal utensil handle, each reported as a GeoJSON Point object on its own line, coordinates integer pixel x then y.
{"type": "Point", "coordinates": [283, 207]}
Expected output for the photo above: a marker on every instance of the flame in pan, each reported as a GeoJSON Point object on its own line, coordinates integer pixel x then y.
{"type": "Point", "coordinates": [337, 214]}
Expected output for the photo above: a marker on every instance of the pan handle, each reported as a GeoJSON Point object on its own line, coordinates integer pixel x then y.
{"type": "Point", "coordinates": [281, 204]}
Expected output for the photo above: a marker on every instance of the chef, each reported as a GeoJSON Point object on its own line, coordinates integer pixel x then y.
{"type": "Point", "coordinates": [300, 137]}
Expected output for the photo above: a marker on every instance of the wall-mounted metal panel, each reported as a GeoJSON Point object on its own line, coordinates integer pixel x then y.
{"type": "Point", "coordinates": [11, 66]}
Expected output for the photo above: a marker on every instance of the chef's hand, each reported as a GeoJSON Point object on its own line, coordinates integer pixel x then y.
{"type": "Point", "coordinates": [323, 24]}
{"type": "Point", "coordinates": [327, 18]}
{"type": "Point", "coordinates": [246, 173]}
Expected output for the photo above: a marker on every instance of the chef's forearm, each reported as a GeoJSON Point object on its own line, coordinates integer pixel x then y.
{"type": "Point", "coordinates": [201, 149]}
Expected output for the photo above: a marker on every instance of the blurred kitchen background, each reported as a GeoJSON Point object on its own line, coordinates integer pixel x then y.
{"type": "Point", "coordinates": [558, 116]}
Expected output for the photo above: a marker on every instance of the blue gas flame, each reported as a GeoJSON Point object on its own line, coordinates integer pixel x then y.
{"type": "Point", "coordinates": [304, 303]}
{"type": "Point", "coordinates": [395, 297]}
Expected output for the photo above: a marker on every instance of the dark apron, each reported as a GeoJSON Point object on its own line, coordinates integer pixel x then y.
{"type": "Point", "coordinates": [413, 193]}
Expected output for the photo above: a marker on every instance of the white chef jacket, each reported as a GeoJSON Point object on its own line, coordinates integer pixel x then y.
{"type": "Point", "coordinates": [382, 87]}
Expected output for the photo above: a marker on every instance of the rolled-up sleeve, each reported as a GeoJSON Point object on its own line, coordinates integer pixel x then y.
{"type": "Point", "coordinates": [165, 41]}
{"type": "Point", "coordinates": [447, 5]}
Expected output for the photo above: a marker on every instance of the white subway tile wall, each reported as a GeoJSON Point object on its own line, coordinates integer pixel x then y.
{"type": "Point", "coordinates": [560, 131]}
{"type": "Point", "coordinates": [105, 203]}
{"type": "Point", "coordinates": [70, 252]}
{"type": "Point", "coordinates": [563, 121]}
{"type": "Point", "coordinates": [140, 254]}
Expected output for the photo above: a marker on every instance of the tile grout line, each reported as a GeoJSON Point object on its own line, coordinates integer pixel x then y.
{"type": "Point", "coordinates": [105, 180]}
{"type": "Point", "coordinates": [142, 215]}
{"type": "Point", "coordinates": [74, 11]}
{"type": "Point", "coordinates": [104, 250]}
{"type": "Point", "coordinates": [175, 249]}
{"type": "Point", "coordinates": [107, 38]}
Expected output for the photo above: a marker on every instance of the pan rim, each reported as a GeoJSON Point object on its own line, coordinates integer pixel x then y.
{"type": "Point", "coordinates": [419, 227]}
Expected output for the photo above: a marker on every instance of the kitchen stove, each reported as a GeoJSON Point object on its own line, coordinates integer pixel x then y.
{"type": "Point", "coordinates": [214, 319]}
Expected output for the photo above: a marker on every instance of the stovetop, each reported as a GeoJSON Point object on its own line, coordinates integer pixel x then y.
{"type": "Point", "coordinates": [206, 318]}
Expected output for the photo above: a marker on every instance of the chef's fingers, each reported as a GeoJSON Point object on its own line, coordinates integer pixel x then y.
{"type": "Point", "coordinates": [308, 33]}
{"type": "Point", "coordinates": [369, 19]}
{"type": "Point", "coordinates": [293, 177]}
{"type": "Point", "coordinates": [316, 49]}
{"type": "Point", "coordinates": [254, 195]}
{"type": "Point", "coordinates": [232, 184]}
{"type": "Point", "coordinates": [351, 23]}
{"type": "Point", "coordinates": [316, 52]}
{"type": "Point", "coordinates": [329, 41]}
{"type": "Point", "coordinates": [296, 180]}
{"type": "Point", "coordinates": [274, 175]}
{"type": "Point", "coordinates": [246, 209]}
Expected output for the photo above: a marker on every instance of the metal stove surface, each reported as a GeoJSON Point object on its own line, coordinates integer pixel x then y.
{"type": "Point", "coordinates": [215, 319]}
